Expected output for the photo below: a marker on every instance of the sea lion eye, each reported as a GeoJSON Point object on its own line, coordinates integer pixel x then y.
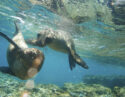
{"type": "Point", "coordinates": [48, 40]}
{"type": "Point", "coordinates": [38, 35]}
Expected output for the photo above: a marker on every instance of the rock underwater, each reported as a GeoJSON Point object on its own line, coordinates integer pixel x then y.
{"type": "Point", "coordinates": [108, 81]}
{"type": "Point", "coordinates": [11, 87]}
{"type": "Point", "coordinates": [78, 10]}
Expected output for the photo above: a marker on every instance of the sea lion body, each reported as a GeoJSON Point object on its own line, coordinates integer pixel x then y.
{"type": "Point", "coordinates": [60, 41]}
{"type": "Point", "coordinates": [24, 62]}
{"type": "Point", "coordinates": [58, 46]}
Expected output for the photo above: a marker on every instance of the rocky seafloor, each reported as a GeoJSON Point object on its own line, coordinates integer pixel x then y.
{"type": "Point", "coordinates": [106, 80]}
{"type": "Point", "coordinates": [12, 87]}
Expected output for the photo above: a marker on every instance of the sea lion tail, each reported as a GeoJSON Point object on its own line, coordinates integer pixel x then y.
{"type": "Point", "coordinates": [10, 40]}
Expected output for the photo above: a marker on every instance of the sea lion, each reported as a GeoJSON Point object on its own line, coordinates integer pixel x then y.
{"type": "Point", "coordinates": [60, 41]}
{"type": "Point", "coordinates": [24, 62]}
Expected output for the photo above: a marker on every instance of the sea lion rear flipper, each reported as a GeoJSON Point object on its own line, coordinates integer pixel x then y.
{"type": "Point", "coordinates": [80, 62]}
{"type": "Point", "coordinates": [76, 58]}
{"type": "Point", "coordinates": [6, 70]}
{"type": "Point", "coordinates": [71, 62]}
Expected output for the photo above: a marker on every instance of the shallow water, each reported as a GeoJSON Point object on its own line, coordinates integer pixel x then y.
{"type": "Point", "coordinates": [98, 40]}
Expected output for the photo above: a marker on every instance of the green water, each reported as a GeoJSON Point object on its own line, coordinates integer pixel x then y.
{"type": "Point", "coordinates": [98, 31]}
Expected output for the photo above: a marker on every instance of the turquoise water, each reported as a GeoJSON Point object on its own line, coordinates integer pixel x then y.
{"type": "Point", "coordinates": [101, 44]}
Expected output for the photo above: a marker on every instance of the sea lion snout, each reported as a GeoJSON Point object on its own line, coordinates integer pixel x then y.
{"type": "Point", "coordinates": [36, 62]}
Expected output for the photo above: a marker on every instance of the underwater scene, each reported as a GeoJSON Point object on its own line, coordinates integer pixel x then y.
{"type": "Point", "coordinates": [62, 48]}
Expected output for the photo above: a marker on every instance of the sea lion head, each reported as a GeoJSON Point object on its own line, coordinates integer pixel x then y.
{"type": "Point", "coordinates": [44, 37]}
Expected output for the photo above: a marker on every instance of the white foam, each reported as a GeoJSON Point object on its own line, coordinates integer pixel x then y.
{"type": "Point", "coordinates": [119, 2]}
{"type": "Point", "coordinates": [4, 14]}
{"type": "Point", "coordinates": [5, 7]}
{"type": "Point", "coordinates": [20, 19]}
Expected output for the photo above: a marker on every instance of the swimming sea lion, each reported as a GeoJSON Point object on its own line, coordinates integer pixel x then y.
{"type": "Point", "coordinates": [59, 41]}
{"type": "Point", "coordinates": [23, 62]}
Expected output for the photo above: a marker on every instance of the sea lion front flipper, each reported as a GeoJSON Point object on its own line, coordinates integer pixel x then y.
{"type": "Point", "coordinates": [71, 62]}
{"type": "Point", "coordinates": [6, 70]}
{"type": "Point", "coordinates": [39, 42]}
{"type": "Point", "coordinates": [32, 42]}
{"type": "Point", "coordinates": [10, 40]}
